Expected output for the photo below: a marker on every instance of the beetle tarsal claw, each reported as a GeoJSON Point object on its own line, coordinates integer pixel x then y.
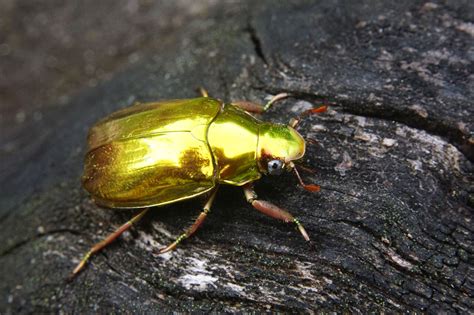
{"type": "Point", "coordinates": [308, 187]}
{"type": "Point", "coordinates": [82, 263]}
{"type": "Point", "coordinates": [312, 187]}
{"type": "Point", "coordinates": [294, 122]}
{"type": "Point", "coordinates": [301, 229]}
{"type": "Point", "coordinates": [174, 244]}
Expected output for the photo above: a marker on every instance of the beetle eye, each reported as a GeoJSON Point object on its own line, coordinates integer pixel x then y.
{"type": "Point", "coordinates": [275, 167]}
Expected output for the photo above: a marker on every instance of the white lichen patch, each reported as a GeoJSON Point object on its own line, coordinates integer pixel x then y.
{"type": "Point", "coordinates": [356, 121]}
{"type": "Point", "coordinates": [421, 64]}
{"type": "Point", "coordinates": [149, 243]}
{"type": "Point", "coordinates": [301, 106]}
{"type": "Point", "coordinates": [388, 142]}
{"type": "Point", "coordinates": [235, 287]}
{"type": "Point", "coordinates": [429, 6]}
{"type": "Point", "coordinates": [267, 294]}
{"type": "Point", "coordinates": [398, 260]}
{"type": "Point", "coordinates": [161, 228]}
{"type": "Point", "coordinates": [196, 275]}
{"type": "Point", "coordinates": [439, 152]}
{"type": "Point", "coordinates": [466, 27]}
{"type": "Point", "coordinates": [415, 165]}
{"type": "Point", "coordinates": [436, 56]}
{"type": "Point", "coordinates": [365, 136]}
{"type": "Point", "coordinates": [402, 132]}
{"type": "Point", "coordinates": [390, 254]}
{"type": "Point", "coordinates": [421, 69]}
{"type": "Point", "coordinates": [54, 253]}
{"type": "Point", "coordinates": [344, 165]}
{"type": "Point", "coordinates": [317, 284]}
{"type": "Point", "coordinates": [20, 117]}
{"type": "Point", "coordinates": [319, 128]}
{"type": "Point", "coordinates": [419, 110]}
{"type": "Point", "coordinates": [56, 238]}
{"type": "Point", "coordinates": [304, 269]}
{"type": "Point", "coordinates": [385, 60]}
{"type": "Point", "coordinates": [197, 282]}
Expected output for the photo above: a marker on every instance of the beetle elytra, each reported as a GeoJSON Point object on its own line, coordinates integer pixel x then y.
{"type": "Point", "coordinates": [157, 153]}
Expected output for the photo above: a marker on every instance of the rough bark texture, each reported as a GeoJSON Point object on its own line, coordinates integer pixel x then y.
{"type": "Point", "coordinates": [391, 228]}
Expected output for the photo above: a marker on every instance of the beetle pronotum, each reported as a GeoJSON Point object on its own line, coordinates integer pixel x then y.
{"type": "Point", "coordinates": [152, 154]}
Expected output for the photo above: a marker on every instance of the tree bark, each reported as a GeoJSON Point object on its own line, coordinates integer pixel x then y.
{"type": "Point", "coordinates": [391, 229]}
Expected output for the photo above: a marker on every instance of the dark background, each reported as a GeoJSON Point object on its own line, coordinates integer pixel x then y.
{"type": "Point", "coordinates": [391, 228]}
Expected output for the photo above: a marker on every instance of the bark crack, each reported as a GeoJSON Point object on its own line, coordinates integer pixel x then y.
{"type": "Point", "coordinates": [256, 41]}
{"type": "Point", "coordinates": [444, 128]}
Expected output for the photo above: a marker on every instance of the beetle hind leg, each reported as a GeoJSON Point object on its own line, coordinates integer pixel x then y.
{"type": "Point", "coordinates": [109, 239]}
{"type": "Point", "coordinates": [193, 228]}
{"type": "Point", "coordinates": [272, 210]}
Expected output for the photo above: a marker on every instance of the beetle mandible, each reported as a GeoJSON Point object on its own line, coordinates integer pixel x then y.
{"type": "Point", "coordinates": [153, 154]}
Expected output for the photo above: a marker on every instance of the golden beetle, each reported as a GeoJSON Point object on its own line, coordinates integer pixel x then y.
{"type": "Point", "coordinates": [159, 153]}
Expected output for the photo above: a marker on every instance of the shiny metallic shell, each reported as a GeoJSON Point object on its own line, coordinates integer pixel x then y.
{"type": "Point", "coordinates": [151, 154]}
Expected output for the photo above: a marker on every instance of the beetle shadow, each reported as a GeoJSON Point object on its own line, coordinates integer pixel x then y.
{"type": "Point", "coordinates": [232, 219]}
{"type": "Point", "coordinates": [228, 208]}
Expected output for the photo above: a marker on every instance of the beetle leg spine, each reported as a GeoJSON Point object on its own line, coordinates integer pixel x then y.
{"type": "Point", "coordinates": [181, 237]}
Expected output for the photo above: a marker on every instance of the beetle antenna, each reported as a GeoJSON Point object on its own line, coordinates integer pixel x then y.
{"type": "Point", "coordinates": [295, 121]}
{"type": "Point", "coordinates": [306, 169]}
{"type": "Point", "coordinates": [308, 187]}
{"type": "Point", "coordinates": [274, 99]}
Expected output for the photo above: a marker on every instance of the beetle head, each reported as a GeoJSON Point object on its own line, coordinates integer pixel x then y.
{"type": "Point", "coordinates": [278, 143]}
{"type": "Point", "coordinates": [278, 146]}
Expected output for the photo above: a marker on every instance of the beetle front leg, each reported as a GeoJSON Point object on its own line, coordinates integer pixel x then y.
{"type": "Point", "coordinates": [257, 108]}
{"type": "Point", "coordinates": [191, 230]}
{"type": "Point", "coordinates": [109, 239]}
{"type": "Point", "coordinates": [272, 210]}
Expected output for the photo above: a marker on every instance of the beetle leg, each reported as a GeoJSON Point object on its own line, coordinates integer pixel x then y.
{"type": "Point", "coordinates": [203, 92]}
{"type": "Point", "coordinates": [109, 239]}
{"type": "Point", "coordinates": [295, 121]}
{"type": "Point", "coordinates": [257, 108]}
{"type": "Point", "coordinates": [193, 228]}
{"type": "Point", "coordinates": [272, 210]}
